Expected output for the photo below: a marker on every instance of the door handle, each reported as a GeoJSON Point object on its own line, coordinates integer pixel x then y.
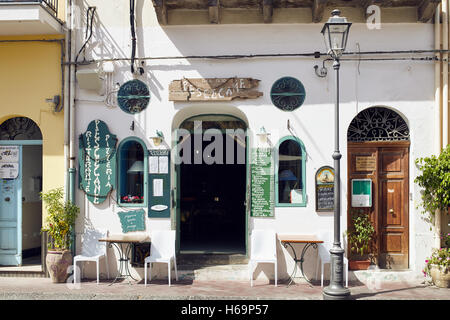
{"type": "Point", "coordinates": [7, 199]}
{"type": "Point", "coordinates": [391, 211]}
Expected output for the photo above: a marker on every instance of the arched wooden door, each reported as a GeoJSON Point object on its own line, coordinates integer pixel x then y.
{"type": "Point", "coordinates": [378, 149]}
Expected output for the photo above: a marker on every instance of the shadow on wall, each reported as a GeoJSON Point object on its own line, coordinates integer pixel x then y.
{"type": "Point", "coordinates": [103, 45]}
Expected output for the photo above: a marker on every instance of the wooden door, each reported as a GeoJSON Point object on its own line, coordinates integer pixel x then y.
{"type": "Point", "coordinates": [393, 216]}
{"type": "Point", "coordinates": [387, 164]}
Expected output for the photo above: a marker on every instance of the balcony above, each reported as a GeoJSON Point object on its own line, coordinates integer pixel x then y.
{"type": "Point", "coordinates": [29, 17]}
{"type": "Point", "coordinates": [179, 12]}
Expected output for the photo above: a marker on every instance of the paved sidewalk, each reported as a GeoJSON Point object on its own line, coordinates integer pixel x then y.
{"type": "Point", "coordinates": [44, 289]}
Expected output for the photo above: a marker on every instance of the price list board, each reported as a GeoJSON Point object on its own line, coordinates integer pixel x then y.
{"type": "Point", "coordinates": [325, 189]}
{"type": "Point", "coordinates": [262, 183]}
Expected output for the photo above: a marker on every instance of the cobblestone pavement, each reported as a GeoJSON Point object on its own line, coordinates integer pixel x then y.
{"type": "Point", "coordinates": [44, 289]}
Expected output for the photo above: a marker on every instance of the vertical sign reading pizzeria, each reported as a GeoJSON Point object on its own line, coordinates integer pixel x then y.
{"type": "Point", "coordinates": [262, 183]}
{"type": "Point", "coordinates": [97, 161]}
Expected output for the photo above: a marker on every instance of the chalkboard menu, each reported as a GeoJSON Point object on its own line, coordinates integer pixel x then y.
{"type": "Point", "coordinates": [262, 183]}
{"type": "Point", "coordinates": [132, 220]}
{"type": "Point", "coordinates": [97, 161]}
{"type": "Point", "coordinates": [325, 189]}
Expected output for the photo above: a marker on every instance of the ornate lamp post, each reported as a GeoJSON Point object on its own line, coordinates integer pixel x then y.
{"type": "Point", "coordinates": [335, 33]}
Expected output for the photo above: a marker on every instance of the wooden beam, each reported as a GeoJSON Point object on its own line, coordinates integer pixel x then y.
{"type": "Point", "coordinates": [318, 9]}
{"type": "Point", "coordinates": [161, 11]}
{"type": "Point", "coordinates": [426, 10]}
{"type": "Point", "coordinates": [213, 7]}
{"type": "Point", "coordinates": [267, 10]}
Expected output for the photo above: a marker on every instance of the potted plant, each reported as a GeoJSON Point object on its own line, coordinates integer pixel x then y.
{"type": "Point", "coordinates": [359, 237]}
{"type": "Point", "coordinates": [60, 219]}
{"type": "Point", "coordinates": [438, 267]}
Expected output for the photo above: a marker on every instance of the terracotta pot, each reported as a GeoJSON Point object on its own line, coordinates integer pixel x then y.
{"type": "Point", "coordinates": [358, 264]}
{"type": "Point", "coordinates": [440, 276]}
{"type": "Point", "coordinates": [58, 263]}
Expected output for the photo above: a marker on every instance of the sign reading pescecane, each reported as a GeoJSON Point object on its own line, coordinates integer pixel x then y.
{"type": "Point", "coordinates": [213, 89]}
{"type": "Point", "coordinates": [97, 160]}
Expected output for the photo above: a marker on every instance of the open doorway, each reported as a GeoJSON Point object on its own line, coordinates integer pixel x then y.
{"type": "Point", "coordinates": [212, 192]}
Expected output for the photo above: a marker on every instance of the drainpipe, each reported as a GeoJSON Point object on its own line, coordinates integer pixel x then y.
{"type": "Point", "coordinates": [71, 112]}
{"type": "Point", "coordinates": [437, 82]}
{"type": "Point", "coordinates": [445, 73]}
{"type": "Point", "coordinates": [444, 121]}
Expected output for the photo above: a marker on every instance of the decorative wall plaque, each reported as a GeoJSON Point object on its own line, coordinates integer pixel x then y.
{"type": "Point", "coordinates": [97, 161]}
{"type": "Point", "coordinates": [213, 89]}
{"type": "Point", "coordinates": [133, 96]}
{"type": "Point", "coordinates": [368, 163]}
{"type": "Point", "coordinates": [287, 93]}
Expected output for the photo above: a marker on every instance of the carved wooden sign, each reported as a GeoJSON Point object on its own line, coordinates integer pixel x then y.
{"type": "Point", "coordinates": [213, 89]}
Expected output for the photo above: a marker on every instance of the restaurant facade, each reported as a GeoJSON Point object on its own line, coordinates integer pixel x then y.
{"type": "Point", "coordinates": [215, 120]}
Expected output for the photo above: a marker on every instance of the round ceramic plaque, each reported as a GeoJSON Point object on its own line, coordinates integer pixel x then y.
{"type": "Point", "coordinates": [133, 96]}
{"type": "Point", "coordinates": [287, 93]}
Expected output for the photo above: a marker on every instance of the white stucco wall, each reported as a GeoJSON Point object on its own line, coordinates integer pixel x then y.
{"type": "Point", "coordinates": [404, 86]}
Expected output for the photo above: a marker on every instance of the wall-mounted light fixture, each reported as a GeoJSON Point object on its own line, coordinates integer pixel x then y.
{"type": "Point", "coordinates": [158, 138]}
{"type": "Point", "coordinates": [263, 135]}
{"type": "Point", "coordinates": [56, 100]}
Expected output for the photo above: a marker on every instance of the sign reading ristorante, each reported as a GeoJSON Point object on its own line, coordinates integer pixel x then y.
{"type": "Point", "coordinates": [97, 160]}
{"type": "Point", "coordinates": [213, 89]}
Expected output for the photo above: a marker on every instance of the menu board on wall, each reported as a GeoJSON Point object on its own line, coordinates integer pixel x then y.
{"type": "Point", "coordinates": [132, 220]}
{"type": "Point", "coordinates": [97, 161]}
{"type": "Point", "coordinates": [325, 189]}
{"type": "Point", "coordinates": [262, 183]}
{"type": "Point", "coordinates": [159, 183]}
{"type": "Point", "coordinates": [9, 162]}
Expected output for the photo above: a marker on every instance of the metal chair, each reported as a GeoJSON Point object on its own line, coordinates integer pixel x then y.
{"type": "Point", "coordinates": [162, 250]}
{"type": "Point", "coordinates": [92, 250]}
{"type": "Point", "coordinates": [263, 250]}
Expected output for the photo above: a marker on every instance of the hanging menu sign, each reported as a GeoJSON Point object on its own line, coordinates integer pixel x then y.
{"type": "Point", "coordinates": [132, 220]}
{"type": "Point", "coordinates": [325, 189]}
{"type": "Point", "coordinates": [262, 183]}
{"type": "Point", "coordinates": [97, 161]}
{"type": "Point", "coordinates": [159, 183]}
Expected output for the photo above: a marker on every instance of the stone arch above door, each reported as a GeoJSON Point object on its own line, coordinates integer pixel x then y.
{"type": "Point", "coordinates": [378, 124]}
{"type": "Point", "coordinates": [20, 128]}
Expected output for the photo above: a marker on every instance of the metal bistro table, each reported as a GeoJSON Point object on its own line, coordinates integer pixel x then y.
{"type": "Point", "coordinates": [309, 240]}
{"type": "Point", "coordinates": [123, 244]}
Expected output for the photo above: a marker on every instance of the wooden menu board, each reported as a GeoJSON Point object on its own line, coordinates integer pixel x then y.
{"type": "Point", "coordinates": [325, 189]}
{"type": "Point", "coordinates": [262, 183]}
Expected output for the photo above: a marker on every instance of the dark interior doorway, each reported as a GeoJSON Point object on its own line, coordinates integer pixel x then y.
{"type": "Point", "coordinates": [212, 196]}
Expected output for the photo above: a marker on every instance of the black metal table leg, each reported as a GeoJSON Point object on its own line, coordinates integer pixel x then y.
{"type": "Point", "coordinates": [301, 260]}
{"type": "Point", "coordinates": [123, 271]}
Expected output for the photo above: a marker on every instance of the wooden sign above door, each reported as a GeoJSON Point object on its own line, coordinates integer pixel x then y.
{"type": "Point", "coordinates": [213, 89]}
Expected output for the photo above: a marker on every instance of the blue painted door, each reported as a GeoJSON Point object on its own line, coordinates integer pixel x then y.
{"type": "Point", "coordinates": [11, 217]}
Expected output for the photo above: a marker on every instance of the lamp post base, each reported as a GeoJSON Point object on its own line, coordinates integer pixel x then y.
{"type": "Point", "coordinates": [336, 293]}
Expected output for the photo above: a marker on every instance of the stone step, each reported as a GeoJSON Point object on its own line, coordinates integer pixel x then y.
{"type": "Point", "coordinates": [212, 259]}
{"type": "Point", "coordinates": [237, 272]}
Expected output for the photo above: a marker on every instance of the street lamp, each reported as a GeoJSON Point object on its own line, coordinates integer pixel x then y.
{"type": "Point", "coordinates": [335, 34]}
